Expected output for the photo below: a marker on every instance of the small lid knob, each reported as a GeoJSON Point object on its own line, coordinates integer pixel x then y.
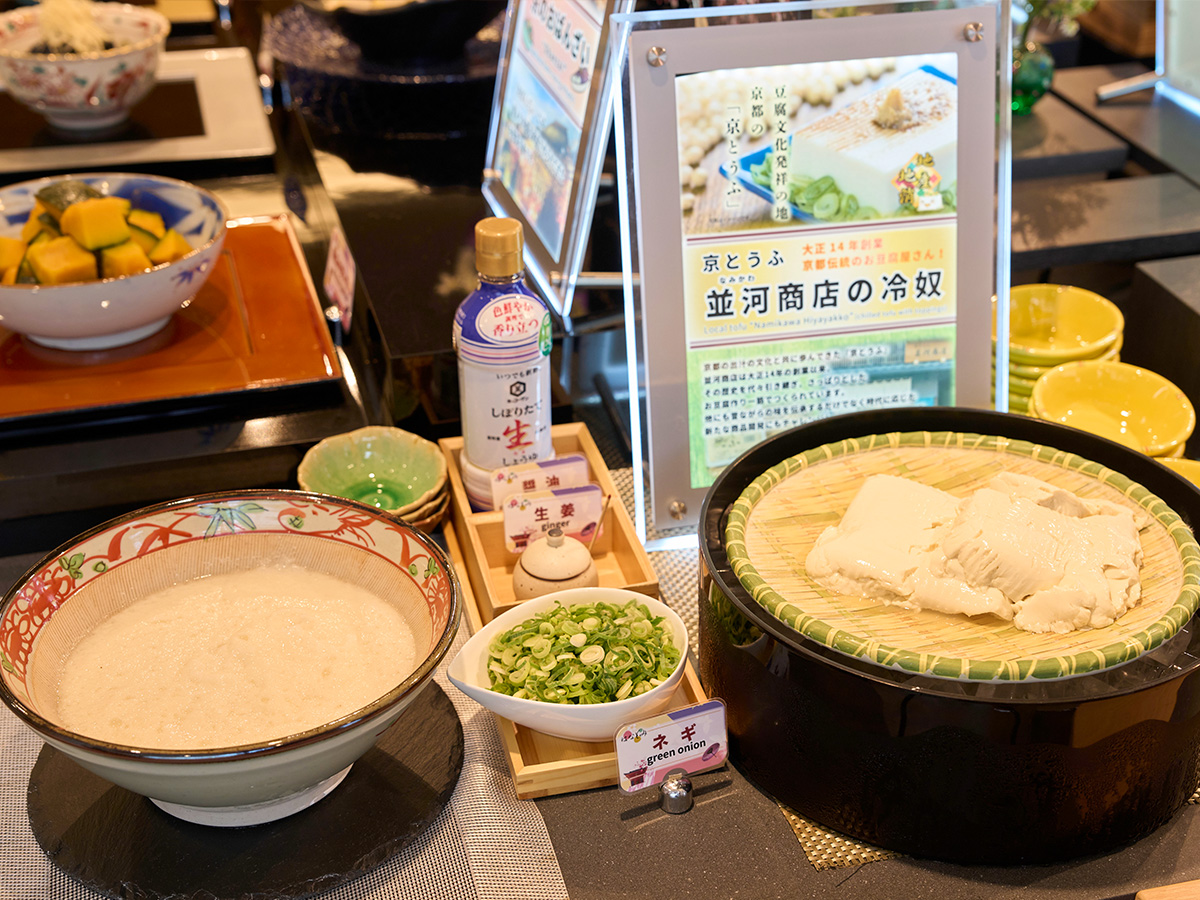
{"type": "Point", "coordinates": [556, 557]}
{"type": "Point", "coordinates": [498, 246]}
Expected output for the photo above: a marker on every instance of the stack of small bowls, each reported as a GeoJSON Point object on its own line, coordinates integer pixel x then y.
{"type": "Point", "coordinates": [388, 468]}
{"type": "Point", "coordinates": [1052, 324]}
{"type": "Point", "coordinates": [1124, 403]}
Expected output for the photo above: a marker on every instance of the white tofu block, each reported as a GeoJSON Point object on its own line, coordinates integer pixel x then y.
{"type": "Point", "coordinates": [863, 156]}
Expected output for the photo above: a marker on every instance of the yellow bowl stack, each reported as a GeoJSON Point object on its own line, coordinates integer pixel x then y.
{"type": "Point", "coordinates": [1052, 324]}
{"type": "Point", "coordinates": [1123, 403]}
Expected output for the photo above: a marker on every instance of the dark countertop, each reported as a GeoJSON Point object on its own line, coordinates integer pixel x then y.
{"type": "Point", "coordinates": [1161, 133]}
{"type": "Point", "coordinates": [1163, 326]}
{"type": "Point", "coordinates": [1067, 222]}
{"type": "Point", "coordinates": [735, 842]}
{"type": "Point", "coordinates": [1054, 139]}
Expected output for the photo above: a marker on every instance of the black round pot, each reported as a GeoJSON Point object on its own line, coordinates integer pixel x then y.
{"type": "Point", "coordinates": [996, 773]}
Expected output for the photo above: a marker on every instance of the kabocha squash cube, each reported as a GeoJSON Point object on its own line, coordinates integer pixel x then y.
{"type": "Point", "coordinates": [9, 276]}
{"type": "Point", "coordinates": [34, 223]}
{"type": "Point", "coordinates": [142, 237]}
{"type": "Point", "coordinates": [96, 223]}
{"type": "Point", "coordinates": [147, 221]}
{"type": "Point", "coordinates": [25, 270]}
{"type": "Point", "coordinates": [56, 197]}
{"type": "Point", "coordinates": [61, 261]}
{"type": "Point", "coordinates": [124, 259]}
{"type": "Point", "coordinates": [172, 246]}
{"type": "Point", "coordinates": [12, 251]}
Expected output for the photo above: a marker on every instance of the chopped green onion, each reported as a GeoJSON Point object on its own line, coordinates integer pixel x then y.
{"type": "Point", "coordinates": [589, 653]}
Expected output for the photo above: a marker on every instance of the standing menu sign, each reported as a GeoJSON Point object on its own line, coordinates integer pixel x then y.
{"type": "Point", "coordinates": [549, 131]}
{"type": "Point", "coordinates": [811, 214]}
{"type": "Point", "coordinates": [1178, 67]}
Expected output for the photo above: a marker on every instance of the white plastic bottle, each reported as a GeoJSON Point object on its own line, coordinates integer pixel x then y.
{"type": "Point", "coordinates": [502, 339]}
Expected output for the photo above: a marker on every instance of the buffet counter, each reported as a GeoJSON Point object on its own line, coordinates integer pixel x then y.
{"type": "Point", "coordinates": [60, 477]}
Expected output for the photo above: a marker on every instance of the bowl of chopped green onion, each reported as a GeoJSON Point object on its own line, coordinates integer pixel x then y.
{"type": "Point", "coordinates": [576, 664]}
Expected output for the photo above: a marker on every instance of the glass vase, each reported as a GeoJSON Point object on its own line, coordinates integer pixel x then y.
{"type": "Point", "coordinates": [1032, 72]}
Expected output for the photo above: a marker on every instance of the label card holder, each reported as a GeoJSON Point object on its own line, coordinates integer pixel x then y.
{"type": "Point", "coordinates": [693, 740]}
{"type": "Point", "coordinates": [577, 511]}
{"type": "Point", "coordinates": [566, 471]}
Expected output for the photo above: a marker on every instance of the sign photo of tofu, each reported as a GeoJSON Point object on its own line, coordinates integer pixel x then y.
{"type": "Point", "coordinates": [888, 153]}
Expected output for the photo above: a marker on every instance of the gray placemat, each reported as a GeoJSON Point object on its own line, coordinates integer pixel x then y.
{"type": "Point", "coordinates": [486, 844]}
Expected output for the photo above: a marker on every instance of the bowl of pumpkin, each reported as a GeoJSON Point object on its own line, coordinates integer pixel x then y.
{"type": "Point", "coordinates": [89, 262]}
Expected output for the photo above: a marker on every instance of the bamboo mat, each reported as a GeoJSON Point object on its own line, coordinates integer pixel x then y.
{"type": "Point", "coordinates": [779, 517]}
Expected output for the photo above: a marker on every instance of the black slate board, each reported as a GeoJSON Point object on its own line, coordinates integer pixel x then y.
{"type": "Point", "coordinates": [170, 110]}
{"type": "Point", "coordinates": [122, 845]}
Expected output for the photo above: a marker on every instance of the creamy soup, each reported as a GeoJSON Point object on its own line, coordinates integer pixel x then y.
{"type": "Point", "coordinates": [235, 659]}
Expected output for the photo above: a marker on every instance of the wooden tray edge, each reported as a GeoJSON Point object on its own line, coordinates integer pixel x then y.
{"type": "Point", "coordinates": [474, 553]}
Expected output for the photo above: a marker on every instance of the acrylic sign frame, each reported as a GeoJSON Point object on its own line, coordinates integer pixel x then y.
{"type": "Point", "coordinates": [652, 50]}
{"type": "Point", "coordinates": [554, 271]}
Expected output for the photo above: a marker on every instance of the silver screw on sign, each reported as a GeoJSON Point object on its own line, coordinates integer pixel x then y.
{"type": "Point", "coordinates": [656, 56]}
{"type": "Point", "coordinates": [973, 31]}
{"type": "Point", "coordinates": [677, 509]}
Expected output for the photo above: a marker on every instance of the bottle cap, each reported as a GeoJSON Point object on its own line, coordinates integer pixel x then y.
{"type": "Point", "coordinates": [498, 245]}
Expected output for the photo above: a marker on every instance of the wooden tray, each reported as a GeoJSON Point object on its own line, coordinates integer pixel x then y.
{"type": "Point", "coordinates": [255, 327]}
{"type": "Point", "coordinates": [620, 558]}
{"type": "Point", "coordinates": [543, 765]}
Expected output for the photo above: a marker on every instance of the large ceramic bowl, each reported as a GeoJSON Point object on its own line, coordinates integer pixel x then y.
{"type": "Point", "coordinates": [111, 312]}
{"type": "Point", "coordinates": [595, 722]}
{"type": "Point", "coordinates": [1124, 403]}
{"type": "Point", "coordinates": [83, 90]}
{"type": "Point", "coordinates": [388, 468]}
{"type": "Point", "coordinates": [1054, 323]}
{"type": "Point", "coordinates": [72, 591]}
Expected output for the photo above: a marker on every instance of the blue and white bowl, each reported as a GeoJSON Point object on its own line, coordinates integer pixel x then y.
{"type": "Point", "coordinates": [111, 312]}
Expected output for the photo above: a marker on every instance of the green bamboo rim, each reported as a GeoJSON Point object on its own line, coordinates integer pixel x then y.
{"type": "Point", "coordinates": [953, 668]}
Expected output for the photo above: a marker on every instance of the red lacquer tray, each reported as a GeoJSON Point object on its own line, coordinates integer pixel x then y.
{"type": "Point", "coordinates": [255, 325]}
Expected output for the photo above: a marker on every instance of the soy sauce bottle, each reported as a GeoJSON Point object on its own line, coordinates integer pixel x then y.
{"type": "Point", "coordinates": [502, 340]}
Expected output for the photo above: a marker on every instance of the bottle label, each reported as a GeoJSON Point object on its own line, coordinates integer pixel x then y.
{"type": "Point", "coordinates": [502, 337]}
{"type": "Point", "coordinates": [509, 329]}
{"type": "Point", "coordinates": [505, 413]}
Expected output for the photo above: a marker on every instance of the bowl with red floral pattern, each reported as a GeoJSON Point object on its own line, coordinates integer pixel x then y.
{"type": "Point", "coordinates": [231, 655]}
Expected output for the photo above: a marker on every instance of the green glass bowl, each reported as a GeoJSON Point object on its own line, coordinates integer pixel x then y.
{"type": "Point", "coordinates": [388, 468]}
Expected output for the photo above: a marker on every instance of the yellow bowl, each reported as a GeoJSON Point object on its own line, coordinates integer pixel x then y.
{"type": "Point", "coordinates": [1051, 324]}
{"type": "Point", "coordinates": [1123, 403]}
{"type": "Point", "coordinates": [1033, 373]}
{"type": "Point", "coordinates": [1017, 384]}
{"type": "Point", "coordinates": [1188, 468]}
{"type": "Point", "coordinates": [1021, 386]}
{"type": "Point", "coordinates": [1016, 404]}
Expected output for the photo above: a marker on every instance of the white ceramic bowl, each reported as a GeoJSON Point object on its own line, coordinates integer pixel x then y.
{"type": "Point", "coordinates": [591, 722]}
{"type": "Point", "coordinates": [46, 613]}
{"type": "Point", "coordinates": [111, 312]}
{"type": "Point", "coordinates": [83, 90]}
